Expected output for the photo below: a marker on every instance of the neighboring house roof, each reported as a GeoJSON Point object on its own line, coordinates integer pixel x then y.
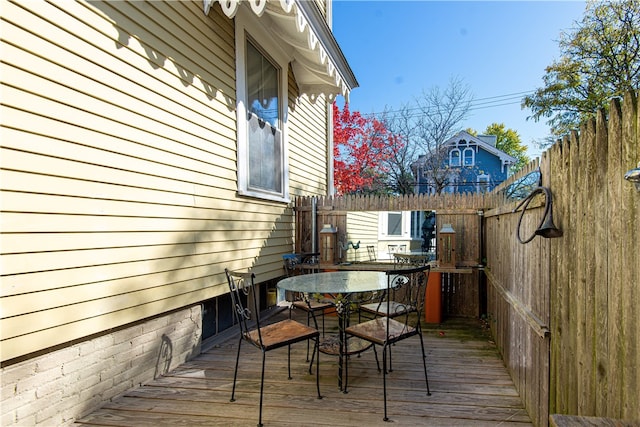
{"type": "Point", "coordinates": [486, 142]}
{"type": "Point", "coordinates": [317, 61]}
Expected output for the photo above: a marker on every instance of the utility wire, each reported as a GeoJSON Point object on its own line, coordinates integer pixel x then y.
{"type": "Point", "coordinates": [474, 105]}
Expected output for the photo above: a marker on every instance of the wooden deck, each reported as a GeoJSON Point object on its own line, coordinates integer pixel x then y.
{"type": "Point", "coordinates": [469, 386]}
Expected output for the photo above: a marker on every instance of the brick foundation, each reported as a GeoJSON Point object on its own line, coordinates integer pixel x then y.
{"type": "Point", "coordinates": [63, 385]}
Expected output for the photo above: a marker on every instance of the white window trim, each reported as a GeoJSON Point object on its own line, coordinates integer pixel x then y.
{"type": "Point", "coordinates": [383, 220]}
{"type": "Point", "coordinates": [481, 179]}
{"type": "Point", "coordinates": [464, 156]}
{"type": "Point", "coordinates": [451, 158]}
{"type": "Point", "coordinates": [248, 23]}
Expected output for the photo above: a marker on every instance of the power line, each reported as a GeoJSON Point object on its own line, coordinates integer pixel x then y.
{"type": "Point", "coordinates": [474, 105]}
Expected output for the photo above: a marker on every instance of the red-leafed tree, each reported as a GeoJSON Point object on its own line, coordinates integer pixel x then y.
{"type": "Point", "coordinates": [361, 152]}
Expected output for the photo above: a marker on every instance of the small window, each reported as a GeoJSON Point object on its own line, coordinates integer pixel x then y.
{"type": "Point", "coordinates": [452, 185]}
{"type": "Point", "coordinates": [454, 158]}
{"type": "Point", "coordinates": [264, 136]}
{"type": "Point", "coordinates": [469, 156]}
{"type": "Point", "coordinates": [483, 184]}
{"type": "Point", "coordinates": [394, 224]}
{"type": "Point", "coordinates": [417, 218]}
{"type": "Point", "coordinates": [261, 79]}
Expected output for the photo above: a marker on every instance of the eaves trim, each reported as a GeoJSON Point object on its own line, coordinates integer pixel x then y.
{"type": "Point", "coordinates": [318, 63]}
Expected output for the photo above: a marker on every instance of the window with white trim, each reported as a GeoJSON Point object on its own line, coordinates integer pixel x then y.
{"type": "Point", "coordinates": [261, 79]}
{"type": "Point", "coordinates": [483, 185]}
{"type": "Point", "coordinates": [454, 157]}
{"type": "Point", "coordinates": [417, 218]}
{"type": "Point", "coordinates": [263, 134]}
{"type": "Point", "coordinates": [468, 156]}
{"type": "Point", "coordinates": [394, 225]}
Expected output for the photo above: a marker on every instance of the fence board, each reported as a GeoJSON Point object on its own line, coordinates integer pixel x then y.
{"type": "Point", "coordinates": [630, 313]}
{"type": "Point", "coordinates": [615, 258]}
{"type": "Point", "coordinates": [600, 200]}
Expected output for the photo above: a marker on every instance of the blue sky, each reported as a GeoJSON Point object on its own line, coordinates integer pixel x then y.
{"type": "Point", "coordinates": [398, 49]}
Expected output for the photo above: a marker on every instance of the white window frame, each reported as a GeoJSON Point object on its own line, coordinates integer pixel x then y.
{"type": "Point", "coordinates": [464, 156]}
{"type": "Point", "coordinates": [248, 25]}
{"type": "Point", "coordinates": [383, 224]}
{"type": "Point", "coordinates": [484, 183]}
{"type": "Point", "coordinates": [451, 162]}
{"type": "Point", "coordinates": [415, 224]}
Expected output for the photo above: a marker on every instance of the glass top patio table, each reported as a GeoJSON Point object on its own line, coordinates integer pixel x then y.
{"type": "Point", "coordinates": [345, 284]}
{"type": "Point", "coordinates": [337, 282]}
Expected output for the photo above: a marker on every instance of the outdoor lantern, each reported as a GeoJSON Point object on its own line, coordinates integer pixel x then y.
{"type": "Point", "coordinates": [447, 246]}
{"type": "Point", "coordinates": [328, 238]}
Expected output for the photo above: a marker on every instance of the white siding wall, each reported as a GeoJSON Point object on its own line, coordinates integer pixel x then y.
{"type": "Point", "coordinates": [363, 227]}
{"type": "Point", "coordinates": [308, 156]}
{"type": "Point", "coordinates": [119, 167]}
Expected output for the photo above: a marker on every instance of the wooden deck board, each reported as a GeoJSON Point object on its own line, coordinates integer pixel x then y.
{"type": "Point", "coordinates": [468, 381]}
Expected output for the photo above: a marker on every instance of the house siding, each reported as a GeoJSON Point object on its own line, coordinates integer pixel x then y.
{"type": "Point", "coordinates": [119, 183]}
{"type": "Point", "coordinates": [487, 160]}
{"type": "Point", "coordinates": [363, 227]}
{"type": "Point", "coordinates": [308, 155]}
{"type": "Point", "coordinates": [114, 168]}
{"type": "Point", "coordinates": [485, 163]}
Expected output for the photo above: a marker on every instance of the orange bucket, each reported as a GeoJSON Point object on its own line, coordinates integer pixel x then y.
{"type": "Point", "coordinates": [433, 299]}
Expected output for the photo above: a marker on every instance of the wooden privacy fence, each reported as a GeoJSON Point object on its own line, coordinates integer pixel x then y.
{"type": "Point", "coordinates": [565, 312]}
{"type": "Point", "coordinates": [461, 292]}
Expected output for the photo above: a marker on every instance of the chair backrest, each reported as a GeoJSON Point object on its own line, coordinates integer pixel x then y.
{"type": "Point", "coordinates": [371, 250]}
{"type": "Point", "coordinates": [309, 260]}
{"type": "Point", "coordinates": [244, 301]}
{"type": "Point", "coordinates": [290, 261]}
{"type": "Point", "coordinates": [406, 287]}
{"type": "Point", "coordinates": [392, 249]}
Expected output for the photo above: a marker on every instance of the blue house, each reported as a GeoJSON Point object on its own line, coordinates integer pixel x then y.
{"type": "Point", "coordinates": [470, 164]}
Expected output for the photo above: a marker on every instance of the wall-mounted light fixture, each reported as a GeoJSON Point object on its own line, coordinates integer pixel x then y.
{"type": "Point", "coordinates": [546, 228]}
{"type": "Point", "coordinates": [633, 175]}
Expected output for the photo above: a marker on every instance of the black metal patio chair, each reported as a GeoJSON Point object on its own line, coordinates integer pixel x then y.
{"type": "Point", "coordinates": [400, 319]}
{"type": "Point", "coordinates": [265, 337]}
{"type": "Point", "coordinates": [387, 304]}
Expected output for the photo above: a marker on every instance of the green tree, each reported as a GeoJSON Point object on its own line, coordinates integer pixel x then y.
{"type": "Point", "coordinates": [508, 140]}
{"type": "Point", "coordinates": [600, 59]}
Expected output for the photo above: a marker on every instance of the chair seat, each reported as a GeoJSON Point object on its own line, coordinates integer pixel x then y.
{"type": "Point", "coordinates": [395, 308]}
{"type": "Point", "coordinates": [375, 330]}
{"type": "Point", "coordinates": [315, 305]}
{"type": "Point", "coordinates": [281, 334]}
